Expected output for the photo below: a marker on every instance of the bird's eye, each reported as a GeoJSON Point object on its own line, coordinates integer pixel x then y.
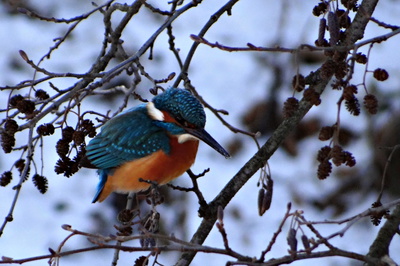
{"type": "Point", "coordinates": [183, 122]}
{"type": "Point", "coordinates": [180, 120]}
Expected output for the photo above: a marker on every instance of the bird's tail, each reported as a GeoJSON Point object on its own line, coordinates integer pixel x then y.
{"type": "Point", "coordinates": [101, 193]}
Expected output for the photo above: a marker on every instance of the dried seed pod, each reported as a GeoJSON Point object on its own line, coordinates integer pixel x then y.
{"type": "Point", "coordinates": [371, 103]}
{"type": "Point", "coordinates": [349, 91]}
{"type": "Point", "coordinates": [298, 83]}
{"type": "Point", "coordinates": [66, 166]}
{"type": "Point", "coordinates": [41, 94]}
{"type": "Point", "coordinates": [74, 167]}
{"type": "Point", "coordinates": [269, 192]}
{"type": "Point", "coordinates": [381, 74]}
{"type": "Point", "coordinates": [324, 154]}
{"type": "Point", "coordinates": [326, 133]}
{"type": "Point", "coordinates": [40, 183]}
{"type": "Point", "coordinates": [377, 216]}
{"type": "Point", "coordinates": [333, 27]}
{"type": "Point", "coordinates": [338, 156]}
{"type": "Point", "coordinates": [78, 137]}
{"type": "Point", "coordinates": [361, 58]}
{"type": "Point", "coordinates": [324, 169]}
{"type": "Point", "coordinates": [26, 106]}
{"type": "Point", "coordinates": [264, 200]}
{"type": "Point", "coordinates": [350, 4]}
{"type": "Point", "coordinates": [320, 9]}
{"type": "Point", "coordinates": [343, 18]}
{"type": "Point", "coordinates": [124, 230]}
{"type": "Point", "coordinates": [67, 134]}
{"type": "Point", "coordinates": [353, 106]}
{"type": "Point", "coordinates": [312, 96]}
{"type": "Point", "coordinates": [5, 178]}
{"type": "Point", "coordinates": [306, 243]}
{"type": "Point", "coordinates": [142, 260]}
{"type": "Point", "coordinates": [260, 200]}
{"type": "Point", "coordinates": [15, 100]}
{"type": "Point", "coordinates": [290, 107]}
{"type": "Point", "coordinates": [349, 159]}
{"type": "Point", "coordinates": [45, 129]}
{"type": "Point", "coordinates": [292, 241]}
{"type": "Point", "coordinates": [7, 141]}
{"type": "Point", "coordinates": [10, 126]}
{"type": "Point", "coordinates": [62, 148]}
{"type": "Point", "coordinates": [321, 32]}
{"type": "Point", "coordinates": [88, 128]}
{"type": "Point", "coordinates": [20, 165]}
{"type": "Point", "coordinates": [267, 200]}
{"type": "Point", "coordinates": [61, 166]}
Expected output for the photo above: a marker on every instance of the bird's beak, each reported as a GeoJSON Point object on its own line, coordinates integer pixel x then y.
{"type": "Point", "coordinates": [201, 134]}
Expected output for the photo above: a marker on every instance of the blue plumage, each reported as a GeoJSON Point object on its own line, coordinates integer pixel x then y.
{"type": "Point", "coordinates": [144, 130]}
{"type": "Point", "coordinates": [183, 106]}
{"type": "Point", "coordinates": [103, 176]}
{"type": "Point", "coordinates": [126, 137]}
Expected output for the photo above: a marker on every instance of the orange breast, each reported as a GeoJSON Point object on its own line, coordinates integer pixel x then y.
{"type": "Point", "coordinates": [158, 167]}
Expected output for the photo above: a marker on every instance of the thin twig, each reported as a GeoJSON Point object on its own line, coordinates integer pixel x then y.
{"type": "Point", "coordinates": [276, 234]}
{"type": "Point", "coordinates": [384, 175]}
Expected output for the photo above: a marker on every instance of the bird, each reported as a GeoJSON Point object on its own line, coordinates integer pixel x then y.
{"type": "Point", "coordinates": [155, 141]}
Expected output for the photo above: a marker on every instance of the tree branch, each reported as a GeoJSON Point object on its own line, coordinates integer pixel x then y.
{"type": "Point", "coordinates": [380, 247]}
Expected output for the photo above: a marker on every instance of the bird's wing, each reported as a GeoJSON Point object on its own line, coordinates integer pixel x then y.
{"type": "Point", "coordinates": [126, 137]}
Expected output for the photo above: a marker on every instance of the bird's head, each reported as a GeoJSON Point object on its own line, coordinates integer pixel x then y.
{"type": "Point", "coordinates": [182, 115]}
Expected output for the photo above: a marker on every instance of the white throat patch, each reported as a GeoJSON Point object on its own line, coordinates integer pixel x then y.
{"type": "Point", "coordinates": [185, 137]}
{"type": "Point", "coordinates": [153, 112]}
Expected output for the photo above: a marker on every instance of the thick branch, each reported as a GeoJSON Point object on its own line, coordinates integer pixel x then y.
{"type": "Point", "coordinates": [380, 247]}
{"type": "Point", "coordinates": [356, 30]}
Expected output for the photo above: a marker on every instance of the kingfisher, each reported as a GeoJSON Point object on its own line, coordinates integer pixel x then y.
{"type": "Point", "coordinates": [156, 141]}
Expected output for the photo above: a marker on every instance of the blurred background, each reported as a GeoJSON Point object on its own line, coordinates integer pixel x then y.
{"type": "Point", "coordinates": [251, 86]}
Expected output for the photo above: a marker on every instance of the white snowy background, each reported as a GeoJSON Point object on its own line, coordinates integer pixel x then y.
{"type": "Point", "coordinates": [230, 81]}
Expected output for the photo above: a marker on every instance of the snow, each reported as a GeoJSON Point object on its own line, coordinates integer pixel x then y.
{"type": "Point", "coordinates": [229, 81]}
